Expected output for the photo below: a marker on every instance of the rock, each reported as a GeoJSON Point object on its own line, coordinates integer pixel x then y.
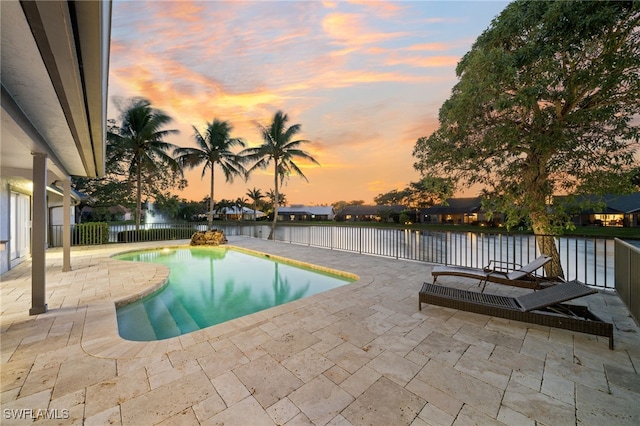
{"type": "Point", "coordinates": [214, 237]}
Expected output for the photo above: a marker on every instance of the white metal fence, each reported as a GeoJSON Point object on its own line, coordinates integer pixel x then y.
{"type": "Point", "coordinates": [588, 259]}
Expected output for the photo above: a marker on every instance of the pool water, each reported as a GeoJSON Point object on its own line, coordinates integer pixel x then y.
{"type": "Point", "coordinates": [211, 285]}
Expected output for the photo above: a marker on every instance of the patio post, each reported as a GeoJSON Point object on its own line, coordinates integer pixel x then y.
{"type": "Point", "coordinates": [66, 225]}
{"type": "Point", "coordinates": [38, 235]}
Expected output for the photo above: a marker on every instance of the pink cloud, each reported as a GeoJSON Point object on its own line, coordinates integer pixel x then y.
{"type": "Point", "coordinates": [436, 46]}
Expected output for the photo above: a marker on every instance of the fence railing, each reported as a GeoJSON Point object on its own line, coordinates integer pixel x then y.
{"type": "Point", "coordinates": [95, 233]}
{"type": "Point", "coordinates": [627, 276]}
{"type": "Point", "coordinates": [588, 259]}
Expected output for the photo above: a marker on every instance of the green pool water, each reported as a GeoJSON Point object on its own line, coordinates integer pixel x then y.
{"type": "Point", "coordinates": [211, 285]}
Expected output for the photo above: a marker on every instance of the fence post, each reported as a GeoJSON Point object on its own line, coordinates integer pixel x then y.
{"type": "Point", "coordinates": [331, 237]}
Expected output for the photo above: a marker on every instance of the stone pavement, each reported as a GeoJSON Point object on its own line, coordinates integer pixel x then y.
{"type": "Point", "coordinates": [361, 354]}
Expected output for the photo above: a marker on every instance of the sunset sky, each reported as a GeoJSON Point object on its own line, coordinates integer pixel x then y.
{"type": "Point", "coordinates": [365, 79]}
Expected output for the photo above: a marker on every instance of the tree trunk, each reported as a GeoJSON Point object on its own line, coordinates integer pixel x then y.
{"type": "Point", "coordinates": [276, 201]}
{"type": "Point", "coordinates": [210, 215]}
{"type": "Point", "coordinates": [547, 245]}
{"type": "Point", "coordinates": [138, 195]}
{"type": "Point", "coordinates": [536, 180]}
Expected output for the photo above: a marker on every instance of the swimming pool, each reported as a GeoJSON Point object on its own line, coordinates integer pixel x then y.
{"type": "Point", "coordinates": [211, 285]}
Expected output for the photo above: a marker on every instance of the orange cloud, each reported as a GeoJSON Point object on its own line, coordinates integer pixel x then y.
{"type": "Point", "coordinates": [183, 11]}
{"type": "Point", "coordinates": [348, 29]}
{"type": "Point", "coordinates": [424, 61]}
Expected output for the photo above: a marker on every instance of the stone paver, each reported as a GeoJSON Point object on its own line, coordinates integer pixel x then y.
{"type": "Point", "coordinates": [358, 354]}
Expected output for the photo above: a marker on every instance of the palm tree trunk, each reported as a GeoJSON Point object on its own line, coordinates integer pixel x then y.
{"type": "Point", "coordinates": [138, 195]}
{"type": "Point", "coordinates": [272, 234]}
{"type": "Point", "coordinates": [210, 216]}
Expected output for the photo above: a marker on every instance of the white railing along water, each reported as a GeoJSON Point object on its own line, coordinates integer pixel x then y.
{"type": "Point", "coordinates": [588, 259]}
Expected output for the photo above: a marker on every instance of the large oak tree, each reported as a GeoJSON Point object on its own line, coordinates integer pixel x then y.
{"type": "Point", "coordinates": [547, 102]}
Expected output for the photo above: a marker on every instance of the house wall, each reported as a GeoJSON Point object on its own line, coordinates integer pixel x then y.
{"type": "Point", "coordinates": [56, 215]}
{"type": "Point", "coordinates": [4, 226]}
{"type": "Point", "coordinates": [632, 220]}
{"type": "Point", "coordinates": [9, 185]}
{"type": "Point", "coordinates": [299, 216]}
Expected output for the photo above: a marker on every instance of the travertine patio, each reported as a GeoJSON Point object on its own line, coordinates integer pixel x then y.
{"type": "Point", "coordinates": [359, 354]}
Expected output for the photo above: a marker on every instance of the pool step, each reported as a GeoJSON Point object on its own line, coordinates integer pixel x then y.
{"type": "Point", "coordinates": [182, 317]}
{"type": "Point", "coordinates": [162, 322]}
{"type": "Point", "coordinates": [135, 323]}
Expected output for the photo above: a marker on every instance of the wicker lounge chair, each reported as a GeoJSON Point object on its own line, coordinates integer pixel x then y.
{"type": "Point", "coordinates": [496, 272]}
{"type": "Point", "coordinates": [543, 307]}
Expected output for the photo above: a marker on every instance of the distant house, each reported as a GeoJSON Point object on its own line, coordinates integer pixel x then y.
{"type": "Point", "coordinates": [369, 213]}
{"type": "Point", "coordinates": [233, 213]}
{"type": "Point", "coordinates": [615, 210]}
{"type": "Point", "coordinates": [455, 211]}
{"type": "Point", "coordinates": [305, 213]}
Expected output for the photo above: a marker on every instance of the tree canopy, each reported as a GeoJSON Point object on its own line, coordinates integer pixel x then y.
{"type": "Point", "coordinates": [427, 192]}
{"type": "Point", "coordinates": [545, 104]}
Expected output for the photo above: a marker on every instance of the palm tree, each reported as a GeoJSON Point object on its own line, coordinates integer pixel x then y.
{"type": "Point", "coordinates": [279, 147]}
{"type": "Point", "coordinates": [213, 148]}
{"type": "Point", "coordinates": [255, 195]}
{"type": "Point", "coordinates": [139, 142]}
{"type": "Point", "coordinates": [223, 206]}
{"type": "Point", "coordinates": [282, 198]}
{"type": "Point", "coordinates": [240, 204]}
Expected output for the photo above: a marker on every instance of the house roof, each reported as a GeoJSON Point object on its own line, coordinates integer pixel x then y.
{"type": "Point", "coordinates": [310, 210]}
{"type": "Point", "coordinates": [245, 210]}
{"type": "Point", "coordinates": [455, 206]}
{"type": "Point", "coordinates": [371, 210]}
{"type": "Point", "coordinates": [627, 203]}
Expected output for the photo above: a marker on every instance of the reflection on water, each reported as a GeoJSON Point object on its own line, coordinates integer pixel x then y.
{"type": "Point", "coordinates": [209, 286]}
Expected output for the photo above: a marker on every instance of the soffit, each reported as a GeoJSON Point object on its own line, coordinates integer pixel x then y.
{"type": "Point", "coordinates": [48, 109]}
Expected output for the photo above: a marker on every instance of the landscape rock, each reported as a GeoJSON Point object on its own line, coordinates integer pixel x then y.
{"type": "Point", "coordinates": [214, 237]}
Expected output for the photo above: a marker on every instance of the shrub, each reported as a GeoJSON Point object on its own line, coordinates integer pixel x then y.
{"type": "Point", "coordinates": [156, 234]}
{"type": "Point", "coordinates": [91, 233]}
